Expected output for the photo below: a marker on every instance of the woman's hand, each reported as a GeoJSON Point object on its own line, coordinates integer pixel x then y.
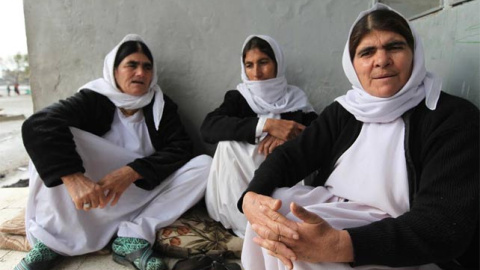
{"type": "Point", "coordinates": [283, 129]}
{"type": "Point", "coordinates": [261, 212]}
{"type": "Point", "coordinates": [269, 143]}
{"type": "Point", "coordinates": [83, 190]}
{"type": "Point", "coordinates": [116, 182]}
{"type": "Point", "coordinates": [318, 241]}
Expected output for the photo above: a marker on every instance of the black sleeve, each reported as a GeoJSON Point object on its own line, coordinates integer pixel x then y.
{"type": "Point", "coordinates": [48, 140]}
{"type": "Point", "coordinates": [304, 118]}
{"type": "Point", "coordinates": [172, 144]}
{"type": "Point", "coordinates": [234, 120]}
{"type": "Point", "coordinates": [444, 213]}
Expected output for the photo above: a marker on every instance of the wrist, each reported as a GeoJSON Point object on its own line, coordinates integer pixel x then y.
{"type": "Point", "coordinates": [132, 174]}
{"type": "Point", "coordinates": [246, 197]}
{"type": "Point", "coordinates": [71, 177]}
{"type": "Point", "coordinates": [268, 123]}
{"type": "Point", "coordinates": [344, 247]}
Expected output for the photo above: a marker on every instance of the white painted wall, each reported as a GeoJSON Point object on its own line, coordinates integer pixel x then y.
{"type": "Point", "coordinates": [197, 45]}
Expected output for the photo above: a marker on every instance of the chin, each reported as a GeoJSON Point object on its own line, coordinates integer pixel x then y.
{"type": "Point", "coordinates": [137, 92]}
{"type": "Point", "coordinates": [384, 92]}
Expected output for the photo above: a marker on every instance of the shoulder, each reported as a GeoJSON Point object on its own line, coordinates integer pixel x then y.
{"type": "Point", "coordinates": [233, 98]}
{"type": "Point", "coordinates": [169, 106]}
{"type": "Point", "coordinates": [451, 110]}
{"type": "Point", "coordinates": [336, 110]}
{"type": "Point", "coordinates": [233, 95]}
{"type": "Point", "coordinates": [87, 95]}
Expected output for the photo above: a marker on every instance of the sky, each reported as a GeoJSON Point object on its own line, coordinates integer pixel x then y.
{"type": "Point", "coordinates": [12, 29]}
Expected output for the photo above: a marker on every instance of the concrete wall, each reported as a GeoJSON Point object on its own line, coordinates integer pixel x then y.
{"type": "Point", "coordinates": [197, 45]}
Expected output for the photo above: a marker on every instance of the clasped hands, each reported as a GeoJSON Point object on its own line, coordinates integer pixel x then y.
{"type": "Point", "coordinates": [311, 240]}
{"type": "Point", "coordinates": [279, 131]}
{"type": "Point", "coordinates": [84, 191]}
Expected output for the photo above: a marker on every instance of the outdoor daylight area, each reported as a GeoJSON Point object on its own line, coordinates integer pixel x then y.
{"type": "Point", "coordinates": [15, 93]}
{"type": "Point", "coordinates": [240, 135]}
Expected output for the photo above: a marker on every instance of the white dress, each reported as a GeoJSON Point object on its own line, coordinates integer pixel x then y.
{"type": "Point", "coordinates": [51, 215]}
{"type": "Point", "coordinates": [232, 169]}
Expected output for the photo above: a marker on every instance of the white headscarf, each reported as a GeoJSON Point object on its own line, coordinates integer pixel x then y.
{"type": "Point", "coordinates": [108, 87]}
{"type": "Point", "coordinates": [421, 85]}
{"type": "Point", "coordinates": [272, 95]}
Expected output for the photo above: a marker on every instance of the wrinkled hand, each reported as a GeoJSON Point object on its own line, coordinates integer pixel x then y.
{"type": "Point", "coordinates": [283, 129]}
{"type": "Point", "coordinates": [84, 190]}
{"type": "Point", "coordinates": [318, 241]}
{"type": "Point", "coordinates": [116, 182]}
{"type": "Point", "coordinates": [269, 143]}
{"type": "Point", "coordinates": [261, 212]}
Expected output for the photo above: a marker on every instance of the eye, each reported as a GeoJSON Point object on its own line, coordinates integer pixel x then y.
{"type": "Point", "coordinates": [264, 62]}
{"type": "Point", "coordinates": [248, 65]}
{"type": "Point", "coordinates": [131, 65]}
{"type": "Point", "coordinates": [396, 48]}
{"type": "Point", "coordinates": [148, 67]}
{"type": "Point", "coordinates": [365, 53]}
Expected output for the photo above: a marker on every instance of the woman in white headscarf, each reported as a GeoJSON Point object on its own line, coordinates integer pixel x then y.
{"type": "Point", "coordinates": [262, 113]}
{"type": "Point", "coordinates": [397, 163]}
{"type": "Point", "coordinates": [111, 161]}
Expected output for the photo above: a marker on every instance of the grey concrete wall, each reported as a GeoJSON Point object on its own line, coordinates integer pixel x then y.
{"type": "Point", "coordinates": [451, 39]}
{"type": "Point", "coordinates": [197, 44]}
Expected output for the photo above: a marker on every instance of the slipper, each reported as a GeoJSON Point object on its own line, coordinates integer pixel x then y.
{"type": "Point", "coordinates": [144, 254]}
{"type": "Point", "coordinates": [43, 265]}
{"type": "Point", "coordinates": [205, 262]}
{"type": "Point", "coordinates": [40, 257]}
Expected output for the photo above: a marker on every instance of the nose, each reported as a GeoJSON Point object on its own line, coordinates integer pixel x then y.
{"type": "Point", "coordinates": [140, 71]}
{"type": "Point", "coordinates": [382, 59]}
{"type": "Point", "coordinates": [257, 72]}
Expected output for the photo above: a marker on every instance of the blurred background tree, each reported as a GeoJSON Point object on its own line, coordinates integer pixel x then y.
{"type": "Point", "coordinates": [16, 69]}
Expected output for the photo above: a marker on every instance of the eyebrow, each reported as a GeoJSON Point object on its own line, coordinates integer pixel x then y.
{"type": "Point", "coordinates": [138, 63]}
{"type": "Point", "coordinates": [388, 45]}
{"type": "Point", "coordinates": [261, 59]}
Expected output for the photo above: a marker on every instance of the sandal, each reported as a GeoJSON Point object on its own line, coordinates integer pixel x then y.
{"type": "Point", "coordinates": [205, 262]}
{"type": "Point", "coordinates": [43, 265]}
{"type": "Point", "coordinates": [48, 259]}
{"type": "Point", "coordinates": [139, 258]}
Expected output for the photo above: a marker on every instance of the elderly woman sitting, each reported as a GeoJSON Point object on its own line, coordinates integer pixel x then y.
{"type": "Point", "coordinates": [397, 162]}
{"type": "Point", "coordinates": [112, 161]}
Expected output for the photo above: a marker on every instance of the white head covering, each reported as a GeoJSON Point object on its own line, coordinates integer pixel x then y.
{"type": "Point", "coordinates": [108, 87]}
{"type": "Point", "coordinates": [272, 95]}
{"type": "Point", "coordinates": [421, 85]}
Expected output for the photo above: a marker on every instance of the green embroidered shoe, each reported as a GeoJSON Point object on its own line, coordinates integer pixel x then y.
{"type": "Point", "coordinates": [136, 251]}
{"type": "Point", "coordinates": [39, 258]}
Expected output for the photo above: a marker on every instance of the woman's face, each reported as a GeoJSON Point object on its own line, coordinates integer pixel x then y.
{"type": "Point", "coordinates": [383, 63]}
{"type": "Point", "coordinates": [134, 74]}
{"type": "Point", "coordinates": [258, 66]}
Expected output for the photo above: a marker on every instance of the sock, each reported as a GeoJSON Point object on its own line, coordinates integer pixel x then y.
{"type": "Point", "coordinates": [40, 253]}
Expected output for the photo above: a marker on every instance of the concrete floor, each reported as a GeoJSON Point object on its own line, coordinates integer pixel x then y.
{"type": "Point", "coordinates": [12, 201]}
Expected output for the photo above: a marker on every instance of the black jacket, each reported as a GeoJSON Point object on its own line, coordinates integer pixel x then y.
{"type": "Point", "coordinates": [49, 142]}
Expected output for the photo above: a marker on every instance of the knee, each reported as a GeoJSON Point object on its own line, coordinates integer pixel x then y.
{"type": "Point", "coordinates": [202, 161]}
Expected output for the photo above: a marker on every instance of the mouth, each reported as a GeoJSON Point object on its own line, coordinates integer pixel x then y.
{"type": "Point", "coordinates": [138, 82]}
{"type": "Point", "coordinates": [384, 76]}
